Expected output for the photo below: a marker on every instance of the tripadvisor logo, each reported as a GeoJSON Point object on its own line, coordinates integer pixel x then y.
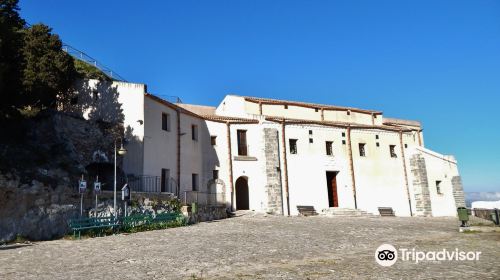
{"type": "Point", "coordinates": [387, 255]}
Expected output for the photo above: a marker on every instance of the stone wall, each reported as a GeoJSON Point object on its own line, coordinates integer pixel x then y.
{"type": "Point", "coordinates": [273, 186]}
{"type": "Point", "coordinates": [204, 213]}
{"type": "Point", "coordinates": [420, 186]}
{"type": "Point", "coordinates": [458, 191]}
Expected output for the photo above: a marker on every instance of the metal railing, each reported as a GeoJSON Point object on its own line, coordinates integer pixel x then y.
{"type": "Point", "coordinates": [91, 61]}
{"type": "Point", "coordinates": [204, 198]}
{"type": "Point", "coordinates": [152, 184]}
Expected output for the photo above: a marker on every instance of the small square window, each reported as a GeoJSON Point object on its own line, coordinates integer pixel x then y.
{"type": "Point", "coordinates": [343, 134]}
{"type": "Point", "coordinates": [438, 187]}
{"type": "Point", "coordinates": [293, 146]}
{"type": "Point", "coordinates": [311, 140]}
{"type": "Point", "coordinates": [310, 132]}
{"type": "Point", "coordinates": [348, 112]}
{"type": "Point", "coordinates": [316, 109]}
{"type": "Point", "coordinates": [378, 144]}
{"type": "Point", "coordinates": [286, 106]}
{"type": "Point", "coordinates": [213, 140]}
{"type": "Point", "coordinates": [362, 151]}
{"type": "Point", "coordinates": [406, 146]}
{"type": "Point", "coordinates": [376, 136]}
{"type": "Point", "coordinates": [343, 142]}
{"type": "Point", "coordinates": [392, 151]}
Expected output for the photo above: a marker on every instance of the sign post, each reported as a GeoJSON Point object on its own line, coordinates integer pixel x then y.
{"type": "Point", "coordinates": [82, 187]}
{"type": "Point", "coordinates": [97, 190]}
{"type": "Point", "coordinates": [126, 196]}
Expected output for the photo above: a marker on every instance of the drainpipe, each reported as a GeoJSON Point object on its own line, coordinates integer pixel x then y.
{"type": "Point", "coordinates": [230, 158]}
{"type": "Point", "coordinates": [285, 166]}
{"type": "Point", "coordinates": [178, 152]}
{"type": "Point", "coordinates": [351, 164]}
{"type": "Point", "coordinates": [404, 167]}
{"type": "Point", "coordinates": [260, 108]}
{"type": "Point", "coordinates": [322, 114]}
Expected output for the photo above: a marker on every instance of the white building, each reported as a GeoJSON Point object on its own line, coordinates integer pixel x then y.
{"type": "Point", "coordinates": [272, 155]}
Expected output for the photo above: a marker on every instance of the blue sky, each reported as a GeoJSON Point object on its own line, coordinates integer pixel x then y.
{"type": "Point", "coordinates": [433, 61]}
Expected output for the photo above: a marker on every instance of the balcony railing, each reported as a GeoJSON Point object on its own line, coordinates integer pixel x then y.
{"type": "Point", "coordinates": [153, 184]}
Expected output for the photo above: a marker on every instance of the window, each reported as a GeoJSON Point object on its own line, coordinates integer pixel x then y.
{"type": "Point", "coordinates": [293, 146]}
{"type": "Point", "coordinates": [242, 142]}
{"type": "Point", "coordinates": [392, 151]}
{"type": "Point", "coordinates": [165, 121]}
{"type": "Point", "coordinates": [438, 187]}
{"type": "Point", "coordinates": [378, 144]}
{"type": "Point", "coordinates": [406, 146]}
{"type": "Point", "coordinates": [343, 142]}
{"type": "Point", "coordinates": [343, 134]}
{"type": "Point", "coordinates": [329, 150]}
{"type": "Point", "coordinates": [194, 132]}
{"type": "Point", "coordinates": [215, 174]}
{"type": "Point", "coordinates": [316, 109]}
{"type": "Point", "coordinates": [165, 176]}
{"type": "Point", "coordinates": [195, 181]}
{"type": "Point", "coordinates": [348, 112]}
{"type": "Point", "coordinates": [286, 106]}
{"type": "Point", "coordinates": [213, 140]}
{"type": "Point", "coordinates": [376, 136]}
{"type": "Point", "coordinates": [311, 140]}
{"type": "Point", "coordinates": [362, 152]}
{"type": "Point", "coordinates": [310, 132]}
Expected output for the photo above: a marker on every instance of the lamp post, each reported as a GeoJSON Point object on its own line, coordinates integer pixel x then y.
{"type": "Point", "coordinates": [122, 151]}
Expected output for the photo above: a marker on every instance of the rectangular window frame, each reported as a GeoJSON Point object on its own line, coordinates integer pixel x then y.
{"type": "Point", "coordinates": [241, 135]}
{"type": "Point", "coordinates": [194, 132]}
{"type": "Point", "coordinates": [329, 148]}
{"type": "Point", "coordinates": [362, 149]}
{"type": "Point", "coordinates": [292, 146]}
{"type": "Point", "coordinates": [194, 182]}
{"type": "Point", "coordinates": [392, 151]}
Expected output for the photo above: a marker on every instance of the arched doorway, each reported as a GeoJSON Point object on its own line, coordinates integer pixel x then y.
{"type": "Point", "coordinates": [242, 194]}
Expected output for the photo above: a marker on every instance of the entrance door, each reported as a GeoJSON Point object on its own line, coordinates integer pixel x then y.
{"type": "Point", "coordinates": [242, 194]}
{"type": "Point", "coordinates": [331, 184]}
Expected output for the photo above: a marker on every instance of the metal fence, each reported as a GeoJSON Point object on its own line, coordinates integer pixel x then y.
{"type": "Point", "coordinates": [152, 184]}
{"type": "Point", "coordinates": [204, 198]}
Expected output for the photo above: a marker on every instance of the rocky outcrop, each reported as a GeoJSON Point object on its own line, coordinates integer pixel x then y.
{"type": "Point", "coordinates": [41, 161]}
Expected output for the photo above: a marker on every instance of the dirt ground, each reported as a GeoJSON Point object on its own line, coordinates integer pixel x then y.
{"type": "Point", "coordinates": [255, 246]}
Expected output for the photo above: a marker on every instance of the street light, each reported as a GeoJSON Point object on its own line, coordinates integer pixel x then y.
{"type": "Point", "coordinates": [122, 151]}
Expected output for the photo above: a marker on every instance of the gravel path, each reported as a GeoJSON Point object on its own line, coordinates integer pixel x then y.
{"type": "Point", "coordinates": [253, 246]}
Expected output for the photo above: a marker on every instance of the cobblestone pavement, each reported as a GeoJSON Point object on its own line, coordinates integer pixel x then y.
{"type": "Point", "coordinates": [254, 246]}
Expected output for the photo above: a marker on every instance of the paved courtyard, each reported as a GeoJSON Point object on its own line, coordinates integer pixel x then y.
{"type": "Point", "coordinates": [253, 246]}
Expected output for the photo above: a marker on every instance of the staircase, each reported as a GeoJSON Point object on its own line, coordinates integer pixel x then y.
{"type": "Point", "coordinates": [345, 212]}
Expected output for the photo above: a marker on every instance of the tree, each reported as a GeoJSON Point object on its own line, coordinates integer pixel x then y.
{"type": "Point", "coordinates": [11, 59]}
{"type": "Point", "coordinates": [48, 72]}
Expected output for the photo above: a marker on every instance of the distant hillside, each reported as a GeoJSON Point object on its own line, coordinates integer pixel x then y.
{"type": "Point", "coordinates": [481, 196]}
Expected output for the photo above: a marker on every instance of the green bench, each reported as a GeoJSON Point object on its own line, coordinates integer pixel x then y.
{"type": "Point", "coordinates": [94, 223]}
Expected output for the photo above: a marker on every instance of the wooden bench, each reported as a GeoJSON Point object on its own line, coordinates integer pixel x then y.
{"type": "Point", "coordinates": [84, 224]}
{"type": "Point", "coordinates": [306, 210]}
{"type": "Point", "coordinates": [386, 211]}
